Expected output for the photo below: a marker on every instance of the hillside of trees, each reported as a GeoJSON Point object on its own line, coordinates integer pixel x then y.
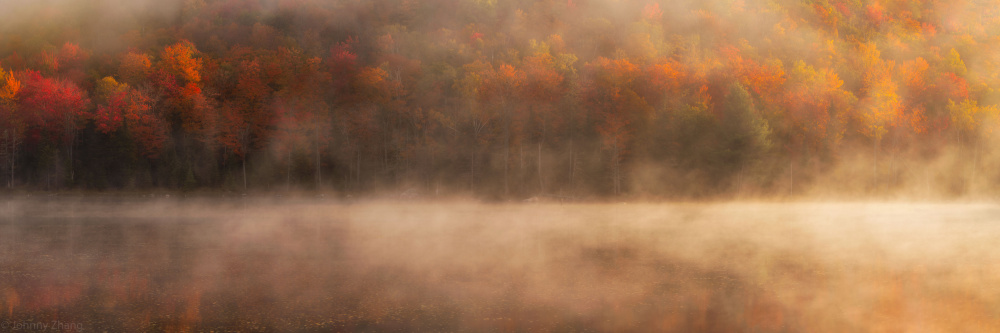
{"type": "Point", "coordinates": [508, 99]}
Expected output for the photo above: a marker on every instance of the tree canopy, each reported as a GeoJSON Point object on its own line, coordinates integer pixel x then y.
{"type": "Point", "coordinates": [502, 98]}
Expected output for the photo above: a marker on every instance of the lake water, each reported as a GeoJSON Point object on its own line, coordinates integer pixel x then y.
{"type": "Point", "coordinates": [93, 264]}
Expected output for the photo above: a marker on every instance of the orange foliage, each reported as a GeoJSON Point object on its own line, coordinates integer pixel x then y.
{"type": "Point", "coordinates": [876, 14]}
{"type": "Point", "coordinates": [372, 77]}
{"type": "Point", "coordinates": [9, 86]}
{"type": "Point", "coordinates": [543, 82]}
{"type": "Point", "coordinates": [611, 95]}
{"type": "Point", "coordinates": [652, 12]}
{"type": "Point", "coordinates": [133, 109]}
{"type": "Point", "coordinates": [250, 84]}
{"type": "Point", "coordinates": [913, 74]}
{"type": "Point", "coordinates": [47, 63]}
{"type": "Point", "coordinates": [668, 75]}
{"type": "Point", "coordinates": [501, 82]}
{"type": "Point", "coordinates": [234, 131]}
{"type": "Point", "coordinates": [764, 80]}
{"type": "Point", "coordinates": [917, 121]}
{"type": "Point", "coordinates": [71, 55]}
{"type": "Point", "coordinates": [826, 15]}
{"type": "Point", "coordinates": [179, 59]}
{"type": "Point", "coordinates": [613, 72]}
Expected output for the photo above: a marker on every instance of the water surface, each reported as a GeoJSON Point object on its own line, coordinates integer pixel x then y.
{"type": "Point", "coordinates": [319, 265]}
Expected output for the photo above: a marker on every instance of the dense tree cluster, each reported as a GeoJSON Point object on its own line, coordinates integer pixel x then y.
{"type": "Point", "coordinates": [503, 98]}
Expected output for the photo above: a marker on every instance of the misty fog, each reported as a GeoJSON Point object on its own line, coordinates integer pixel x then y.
{"type": "Point", "coordinates": [484, 165]}
{"type": "Point", "coordinates": [316, 265]}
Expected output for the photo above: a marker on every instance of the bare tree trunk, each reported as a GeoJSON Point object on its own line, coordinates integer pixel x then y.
{"type": "Point", "coordinates": [791, 174]}
{"type": "Point", "coordinates": [472, 170]}
{"type": "Point", "coordinates": [614, 168]}
{"type": "Point", "coordinates": [506, 157]}
{"type": "Point", "coordinates": [350, 173]}
{"type": "Point", "coordinates": [893, 173]}
{"type": "Point", "coordinates": [739, 180]}
{"type": "Point", "coordinates": [506, 146]}
{"type": "Point", "coordinates": [572, 164]}
{"type": "Point", "coordinates": [927, 183]}
{"type": "Point", "coordinates": [975, 161]}
{"type": "Point", "coordinates": [618, 175]}
{"type": "Point", "coordinates": [430, 178]}
{"type": "Point", "coordinates": [288, 172]}
{"type": "Point", "coordinates": [244, 172]}
{"type": "Point", "coordinates": [875, 165]}
{"type": "Point", "coordinates": [13, 154]}
{"type": "Point", "coordinates": [72, 141]}
{"type": "Point", "coordinates": [520, 159]}
{"type": "Point", "coordinates": [541, 183]}
{"type": "Point", "coordinates": [316, 148]}
{"type": "Point", "coordinates": [385, 152]}
{"type": "Point", "coordinates": [72, 172]}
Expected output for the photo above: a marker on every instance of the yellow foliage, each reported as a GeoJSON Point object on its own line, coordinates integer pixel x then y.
{"type": "Point", "coordinates": [955, 63]}
{"type": "Point", "coordinates": [640, 46]}
{"type": "Point", "coordinates": [881, 108]}
{"type": "Point", "coordinates": [969, 117]}
{"type": "Point", "coordinates": [963, 115]}
{"type": "Point", "coordinates": [538, 47]}
{"type": "Point", "coordinates": [988, 117]}
{"type": "Point", "coordinates": [564, 62]}
{"type": "Point", "coordinates": [109, 86]}
{"type": "Point", "coordinates": [873, 68]}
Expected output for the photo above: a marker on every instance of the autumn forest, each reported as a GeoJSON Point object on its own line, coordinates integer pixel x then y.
{"type": "Point", "coordinates": [503, 99]}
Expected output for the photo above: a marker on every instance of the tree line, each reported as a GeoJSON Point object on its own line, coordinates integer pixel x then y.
{"type": "Point", "coordinates": [507, 99]}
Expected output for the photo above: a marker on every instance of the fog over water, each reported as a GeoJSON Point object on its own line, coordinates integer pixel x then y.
{"type": "Point", "coordinates": [321, 265]}
{"type": "Point", "coordinates": [501, 151]}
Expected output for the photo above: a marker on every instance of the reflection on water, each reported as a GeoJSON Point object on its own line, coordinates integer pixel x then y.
{"type": "Point", "coordinates": [220, 265]}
